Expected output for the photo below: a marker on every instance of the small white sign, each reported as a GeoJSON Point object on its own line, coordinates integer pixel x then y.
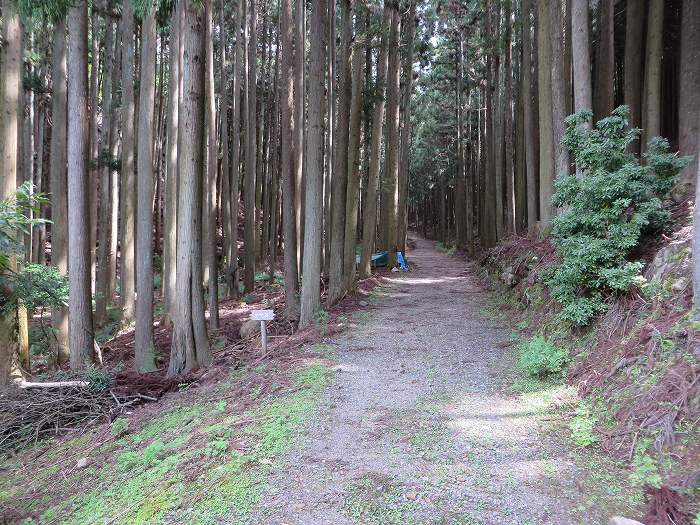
{"type": "Point", "coordinates": [262, 315]}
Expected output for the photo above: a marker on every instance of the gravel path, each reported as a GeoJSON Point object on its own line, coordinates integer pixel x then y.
{"type": "Point", "coordinates": [418, 427]}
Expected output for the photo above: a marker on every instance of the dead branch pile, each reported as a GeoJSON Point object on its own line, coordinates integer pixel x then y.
{"type": "Point", "coordinates": [29, 414]}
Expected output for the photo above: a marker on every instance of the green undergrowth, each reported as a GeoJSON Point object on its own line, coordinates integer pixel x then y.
{"type": "Point", "coordinates": [616, 371]}
{"type": "Point", "coordinates": [200, 462]}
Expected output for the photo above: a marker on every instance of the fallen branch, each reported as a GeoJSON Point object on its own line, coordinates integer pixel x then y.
{"type": "Point", "coordinates": [54, 384]}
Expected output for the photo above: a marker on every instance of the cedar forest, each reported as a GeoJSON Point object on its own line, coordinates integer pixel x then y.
{"type": "Point", "coordinates": [169, 166]}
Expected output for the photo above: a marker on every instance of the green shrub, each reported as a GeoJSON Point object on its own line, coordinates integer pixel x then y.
{"type": "Point", "coordinates": [540, 357]}
{"type": "Point", "coordinates": [606, 211]}
{"type": "Point", "coordinates": [582, 427]}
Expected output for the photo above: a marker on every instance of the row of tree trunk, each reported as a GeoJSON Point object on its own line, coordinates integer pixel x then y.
{"type": "Point", "coordinates": [512, 92]}
{"type": "Point", "coordinates": [162, 142]}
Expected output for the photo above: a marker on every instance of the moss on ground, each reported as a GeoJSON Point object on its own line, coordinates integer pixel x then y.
{"type": "Point", "coordinates": [196, 463]}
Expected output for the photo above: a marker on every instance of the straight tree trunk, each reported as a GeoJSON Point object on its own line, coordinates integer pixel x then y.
{"type": "Point", "coordinates": [239, 73]}
{"type": "Point", "coordinates": [583, 92]}
{"type": "Point", "coordinates": [651, 119]}
{"type": "Point", "coordinates": [330, 139]}
{"type": "Point", "coordinates": [488, 220]}
{"type": "Point", "coordinates": [340, 168]}
{"type": "Point", "coordinates": [369, 216]}
{"type": "Point", "coordinates": [689, 104]}
{"type": "Point", "coordinates": [299, 126]}
{"type": "Point", "coordinates": [59, 184]}
{"type": "Point", "coordinates": [93, 136]}
{"type": "Point", "coordinates": [353, 184]}
{"type": "Point", "coordinates": [80, 303]}
{"type": "Point", "coordinates": [604, 94]}
{"type": "Point", "coordinates": [11, 85]}
{"type": "Point", "coordinates": [287, 161]}
{"type": "Point", "coordinates": [460, 183]}
{"type": "Point", "coordinates": [558, 103]}
{"type": "Point", "coordinates": [634, 63]}
{"type": "Point", "coordinates": [212, 157]}
{"type": "Point", "coordinates": [143, 342]}
{"type": "Point", "coordinates": [104, 255]}
{"type": "Point", "coordinates": [498, 131]}
{"type": "Point", "coordinates": [529, 121]}
{"type": "Point", "coordinates": [250, 148]}
{"type": "Point", "coordinates": [128, 196]}
{"type": "Point", "coordinates": [225, 159]}
{"type": "Point", "coordinates": [393, 94]}
{"type": "Point", "coordinates": [313, 211]}
{"type": "Point", "coordinates": [405, 159]}
{"type": "Point", "coordinates": [508, 126]}
{"type": "Point", "coordinates": [171, 184]}
{"type": "Point", "coordinates": [546, 136]}
{"type": "Point", "coordinates": [187, 352]}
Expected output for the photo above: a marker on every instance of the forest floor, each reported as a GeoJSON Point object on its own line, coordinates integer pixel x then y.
{"type": "Point", "coordinates": [428, 422]}
{"type": "Point", "coordinates": [401, 405]}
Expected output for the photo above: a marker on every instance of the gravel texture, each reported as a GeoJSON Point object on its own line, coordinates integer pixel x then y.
{"type": "Point", "coordinates": [418, 427]}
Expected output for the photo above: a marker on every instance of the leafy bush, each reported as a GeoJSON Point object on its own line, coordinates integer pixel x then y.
{"type": "Point", "coordinates": [606, 211]}
{"type": "Point", "coordinates": [540, 357]}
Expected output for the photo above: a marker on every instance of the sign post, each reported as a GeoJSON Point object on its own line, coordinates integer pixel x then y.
{"type": "Point", "coordinates": [263, 316]}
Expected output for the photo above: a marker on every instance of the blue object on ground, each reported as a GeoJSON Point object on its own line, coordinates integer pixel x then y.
{"type": "Point", "coordinates": [378, 259]}
{"type": "Point", "coordinates": [401, 261]}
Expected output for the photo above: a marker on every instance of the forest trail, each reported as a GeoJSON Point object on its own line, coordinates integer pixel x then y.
{"type": "Point", "coordinates": [419, 426]}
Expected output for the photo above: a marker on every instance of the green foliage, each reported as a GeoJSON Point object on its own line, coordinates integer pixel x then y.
{"type": "Point", "coordinates": [582, 427]}
{"type": "Point", "coordinates": [540, 357]}
{"type": "Point", "coordinates": [645, 470]}
{"type": "Point", "coordinates": [35, 285]}
{"type": "Point", "coordinates": [120, 426]}
{"type": "Point", "coordinates": [606, 211]}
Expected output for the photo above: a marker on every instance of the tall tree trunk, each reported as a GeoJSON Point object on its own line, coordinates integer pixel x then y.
{"type": "Point", "coordinates": [59, 188]}
{"type": "Point", "coordinates": [604, 95]}
{"type": "Point", "coordinates": [171, 184]}
{"type": "Point", "coordinates": [634, 63]}
{"type": "Point", "coordinates": [239, 72]}
{"type": "Point", "coordinates": [104, 255]}
{"type": "Point", "coordinates": [508, 126]}
{"type": "Point", "coordinates": [530, 129]}
{"type": "Point", "coordinates": [488, 219]}
{"type": "Point", "coordinates": [81, 330]}
{"type": "Point", "coordinates": [143, 342]}
{"type": "Point", "coordinates": [546, 137]}
{"type": "Point", "coordinates": [128, 196]}
{"type": "Point", "coordinates": [187, 351]}
{"type": "Point", "coordinates": [353, 185]}
{"type": "Point", "coordinates": [11, 85]}
{"type": "Point", "coordinates": [93, 135]}
{"type": "Point", "coordinates": [404, 171]}
{"type": "Point", "coordinates": [225, 159]}
{"type": "Point", "coordinates": [340, 167]}
{"type": "Point", "coordinates": [498, 132]}
{"type": "Point", "coordinates": [299, 126]}
{"type": "Point", "coordinates": [460, 183]}
{"type": "Point", "coordinates": [330, 138]}
{"type": "Point", "coordinates": [651, 117]}
{"type": "Point", "coordinates": [287, 161]}
{"type": "Point", "coordinates": [558, 103]}
{"type": "Point", "coordinates": [369, 216]}
{"type": "Point", "coordinates": [583, 92]}
{"type": "Point", "coordinates": [250, 147]}
{"type": "Point", "coordinates": [212, 157]}
{"type": "Point", "coordinates": [689, 104]}
{"type": "Point", "coordinates": [313, 212]}
{"type": "Point", "coordinates": [393, 93]}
